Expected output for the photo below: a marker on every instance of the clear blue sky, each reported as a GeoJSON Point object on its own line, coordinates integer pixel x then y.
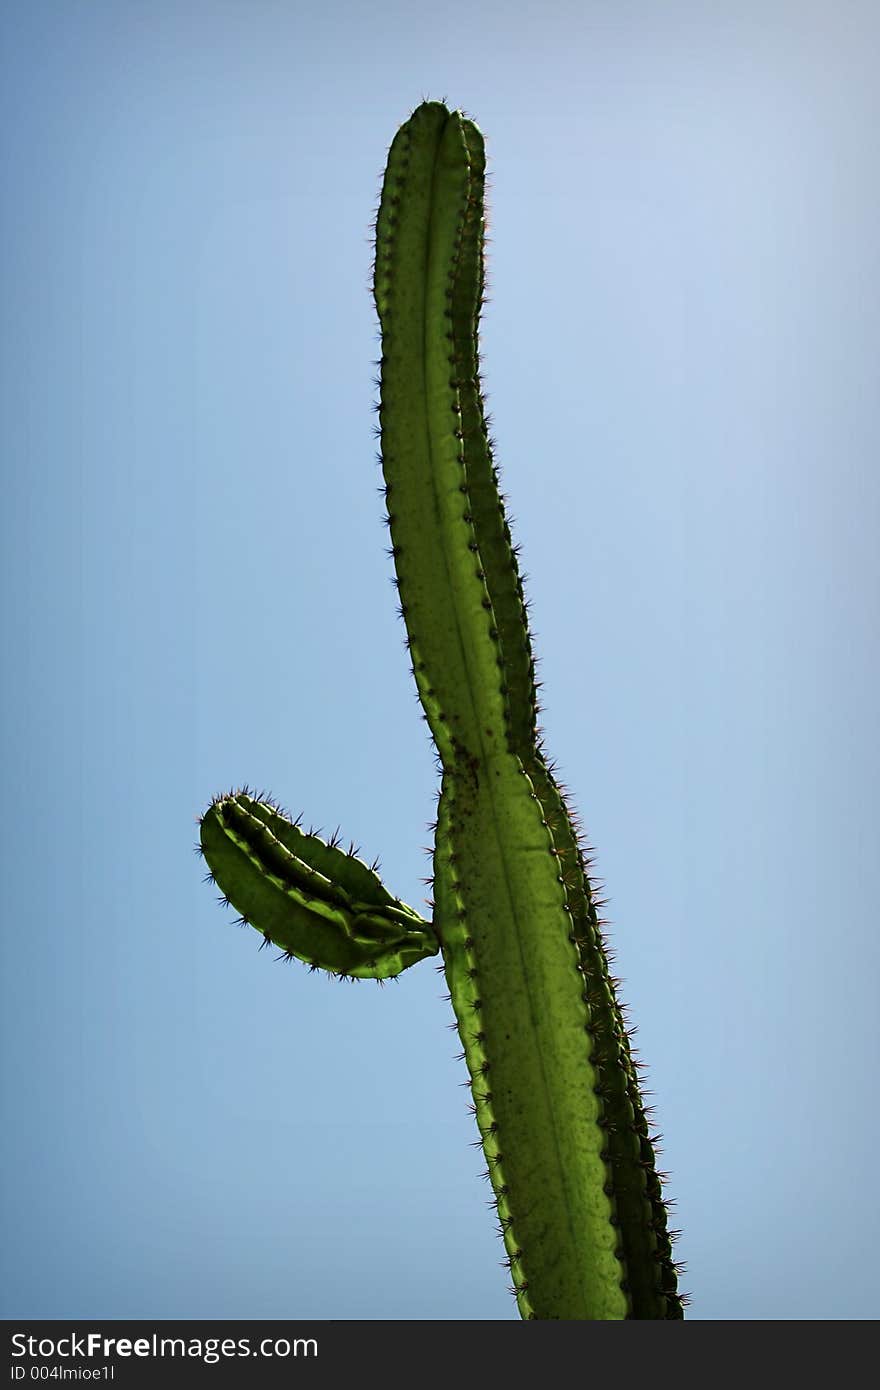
{"type": "Point", "coordinates": [681, 354]}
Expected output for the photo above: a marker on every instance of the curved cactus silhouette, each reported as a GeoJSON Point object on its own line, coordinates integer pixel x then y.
{"type": "Point", "coordinates": [555, 1087]}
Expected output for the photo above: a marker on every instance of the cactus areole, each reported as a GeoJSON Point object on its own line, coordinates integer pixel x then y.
{"type": "Point", "coordinates": [555, 1088]}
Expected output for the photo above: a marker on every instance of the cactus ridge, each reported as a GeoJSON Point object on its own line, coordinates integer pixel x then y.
{"type": "Point", "coordinates": [496, 560]}
{"type": "Point", "coordinates": [555, 1085]}
{"type": "Point", "coordinates": [466, 983]}
{"type": "Point", "coordinates": [651, 1274]}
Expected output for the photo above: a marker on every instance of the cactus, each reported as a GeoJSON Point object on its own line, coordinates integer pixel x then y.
{"type": "Point", "coordinates": [555, 1087]}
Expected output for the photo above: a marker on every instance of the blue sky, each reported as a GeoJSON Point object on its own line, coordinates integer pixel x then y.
{"type": "Point", "coordinates": [680, 353]}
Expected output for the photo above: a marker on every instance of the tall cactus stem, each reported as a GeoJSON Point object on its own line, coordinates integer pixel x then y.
{"type": "Point", "coordinates": [554, 1082]}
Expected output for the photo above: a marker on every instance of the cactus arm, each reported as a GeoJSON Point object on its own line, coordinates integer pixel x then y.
{"type": "Point", "coordinates": [497, 555]}
{"type": "Point", "coordinates": [310, 898]}
{"type": "Point", "coordinates": [555, 1092]}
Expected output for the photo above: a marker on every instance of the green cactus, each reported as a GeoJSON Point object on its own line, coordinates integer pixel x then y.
{"type": "Point", "coordinates": [555, 1087]}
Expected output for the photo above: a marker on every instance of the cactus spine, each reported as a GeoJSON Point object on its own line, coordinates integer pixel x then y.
{"type": "Point", "coordinates": [555, 1089]}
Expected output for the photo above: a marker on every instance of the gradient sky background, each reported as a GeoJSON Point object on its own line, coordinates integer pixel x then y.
{"type": "Point", "coordinates": [681, 355]}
